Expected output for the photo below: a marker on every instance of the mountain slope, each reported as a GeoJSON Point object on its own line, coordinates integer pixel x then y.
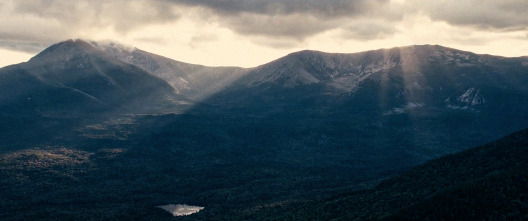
{"type": "Point", "coordinates": [434, 94]}
{"type": "Point", "coordinates": [316, 140]}
{"type": "Point", "coordinates": [194, 81]}
{"type": "Point", "coordinates": [75, 76]}
{"type": "Point", "coordinates": [69, 84]}
{"type": "Point", "coordinates": [487, 182]}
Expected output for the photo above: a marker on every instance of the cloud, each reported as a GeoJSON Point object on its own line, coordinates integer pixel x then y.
{"type": "Point", "coordinates": [299, 19]}
{"type": "Point", "coordinates": [501, 16]}
{"type": "Point", "coordinates": [287, 23]}
{"type": "Point", "coordinates": [276, 43]}
{"type": "Point", "coordinates": [43, 22]}
{"type": "Point", "coordinates": [31, 47]}
{"type": "Point", "coordinates": [296, 26]}
{"type": "Point", "coordinates": [203, 38]}
{"type": "Point", "coordinates": [368, 30]}
{"type": "Point", "coordinates": [323, 9]}
{"type": "Point", "coordinates": [121, 15]}
{"type": "Point", "coordinates": [31, 25]}
{"type": "Point", "coordinates": [155, 40]}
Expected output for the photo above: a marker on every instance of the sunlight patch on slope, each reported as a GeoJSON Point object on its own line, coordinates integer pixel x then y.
{"type": "Point", "coordinates": [27, 165]}
{"type": "Point", "coordinates": [383, 96]}
{"type": "Point", "coordinates": [45, 158]}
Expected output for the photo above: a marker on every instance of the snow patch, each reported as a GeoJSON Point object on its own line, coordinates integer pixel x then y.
{"type": "Point", "coordinates": [471, 97]}
{"type": "Point", "coordinates": [181, 209]}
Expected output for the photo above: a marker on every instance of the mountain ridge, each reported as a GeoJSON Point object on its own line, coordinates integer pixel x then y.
{"type": "Point", "coordinates": [110, 44]}
{"type": "Point", "coordinates": [303, 127]}
{"type": "Point", "coordinates": [191, 80]}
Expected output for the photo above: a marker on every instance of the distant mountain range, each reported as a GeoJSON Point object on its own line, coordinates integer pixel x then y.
{"type": "Point", "coordinates": [303, 128]}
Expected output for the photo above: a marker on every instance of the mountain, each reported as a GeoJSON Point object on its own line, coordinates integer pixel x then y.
{"type": "Point", "coordinates": [482, 183]}
{"type": "Point", "coordinates": [102, 131]}
{"type": "Point", "coordinates": [308, 139]}
{"type": "Point", "coordinates": [193, 81]}
{"type": "Point", "coordinates": [74, 76]}
{"type": "Point", "coordinates": [423, 75]}
{"type": "Point", "coordinates": [426, 86]}
{"type": "Point", "coordinates": [71, 82]}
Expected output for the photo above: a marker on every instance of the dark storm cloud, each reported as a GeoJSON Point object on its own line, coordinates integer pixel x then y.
{"type": "Point", "coordinates": [29, 25]}
{"type": "Point", "coordinates": [319, 8]}
{"type": "Point", "coordinates": [299, 19]}
{"type": "Point", "coordinates": [291, 20]}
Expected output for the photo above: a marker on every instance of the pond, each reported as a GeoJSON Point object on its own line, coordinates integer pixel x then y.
{"type": "Point", "coordinates": [181, 209]}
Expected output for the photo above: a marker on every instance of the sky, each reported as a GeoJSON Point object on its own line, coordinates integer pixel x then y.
{"type": "Point", "coordinates": [249, 33]}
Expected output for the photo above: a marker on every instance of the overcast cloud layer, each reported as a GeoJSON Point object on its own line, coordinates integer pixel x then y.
{"type": "Point", "coordinates": [269, 27]}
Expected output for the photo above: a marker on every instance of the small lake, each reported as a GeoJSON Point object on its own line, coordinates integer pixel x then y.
{"type": "Point", "coordinates": [181, 209]}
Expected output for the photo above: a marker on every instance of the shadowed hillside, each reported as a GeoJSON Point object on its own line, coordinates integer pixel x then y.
{"type": "Point", "coordinates": [482, 183]}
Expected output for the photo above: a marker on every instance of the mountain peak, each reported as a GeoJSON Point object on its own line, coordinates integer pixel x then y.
{"type": "Point", "coordinates": [64, 51]}
{"type": "Point", "coordinates": [306, 52]}
{"type": "Point", "coordinates": [78, 76]}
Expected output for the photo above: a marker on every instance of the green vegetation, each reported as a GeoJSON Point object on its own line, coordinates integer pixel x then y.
{"type": "Point", "coordinates": [483, 183]}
